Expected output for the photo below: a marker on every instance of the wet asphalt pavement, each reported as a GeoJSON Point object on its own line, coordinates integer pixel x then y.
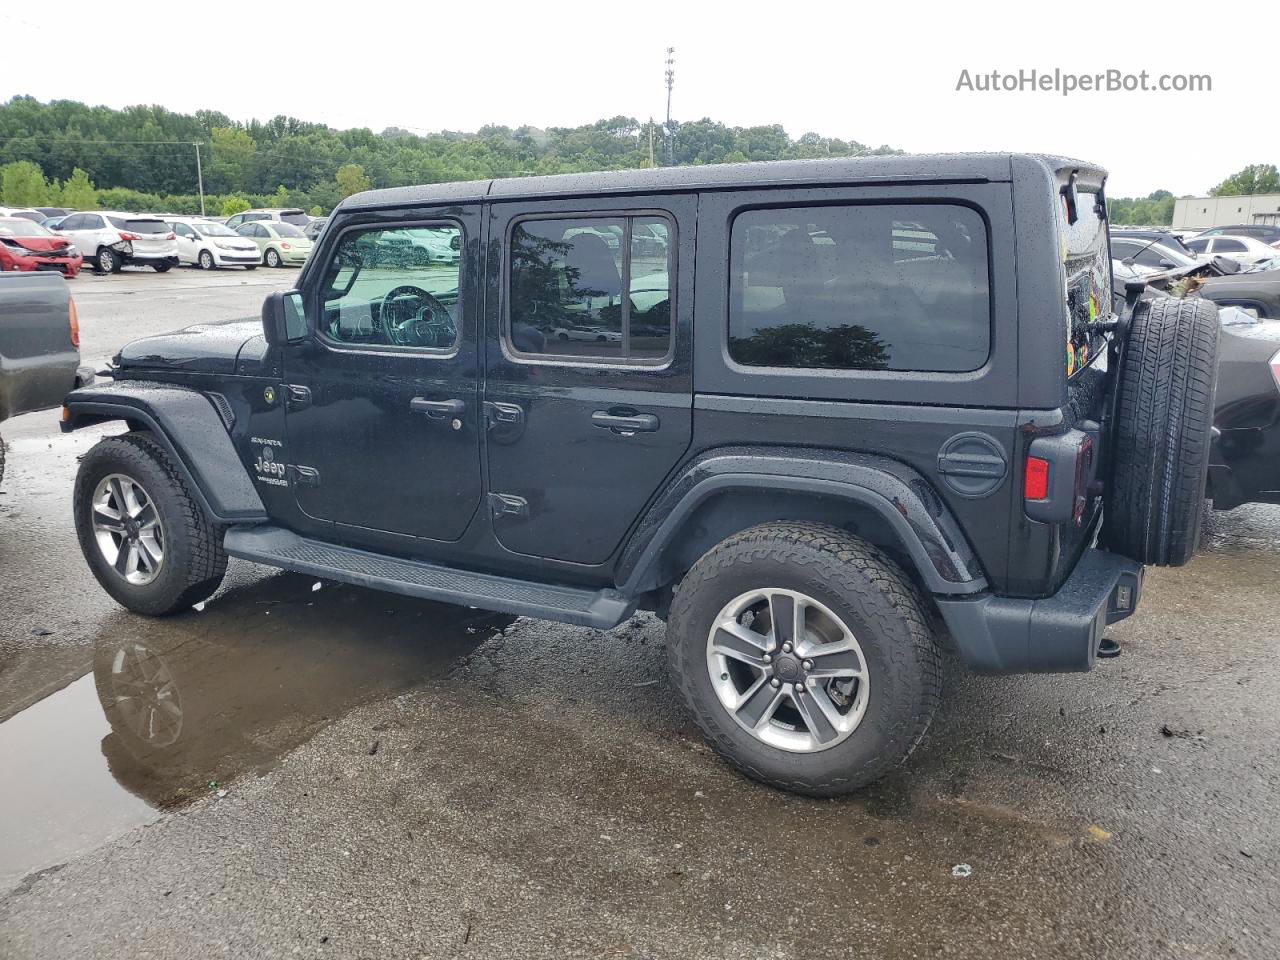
{"type": "Point", "coordinates": [308, 769]}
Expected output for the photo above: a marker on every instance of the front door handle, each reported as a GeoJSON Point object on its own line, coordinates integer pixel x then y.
{"type": "Point", "coordinates": [626, 424]}
{"type": "Point", "coordinates": [438, 409]}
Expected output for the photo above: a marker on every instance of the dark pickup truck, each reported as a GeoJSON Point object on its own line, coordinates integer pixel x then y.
{"type": "Point", "coordinates": [39, 345]}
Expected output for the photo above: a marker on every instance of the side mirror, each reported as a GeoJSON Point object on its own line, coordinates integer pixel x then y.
{"type": "Point", "coordinates": [283, 319]}
{"type": "Point", "coordinates": [1167, 264]}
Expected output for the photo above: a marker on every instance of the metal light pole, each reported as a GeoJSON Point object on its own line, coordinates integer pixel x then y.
{"type": "Point", "coordinates": [671, 80]}
{"type": "Point", "coordinates": [199, 178]}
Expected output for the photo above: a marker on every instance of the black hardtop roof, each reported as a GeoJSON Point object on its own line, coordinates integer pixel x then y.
{"type": "Point", "coordinates": [967, 167]}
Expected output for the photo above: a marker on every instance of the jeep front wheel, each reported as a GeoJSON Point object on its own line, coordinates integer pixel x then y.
{"type": "Point", "coordinates": [147, 540]}
{"type": "Point", "coordinates": [804, 657]}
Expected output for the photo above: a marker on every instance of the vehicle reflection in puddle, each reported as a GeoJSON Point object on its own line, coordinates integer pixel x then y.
{"type": "Point", "coordinates": [181, 707]}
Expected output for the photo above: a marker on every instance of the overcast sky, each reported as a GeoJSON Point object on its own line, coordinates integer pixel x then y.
{"type": "Point", "coordinates": [883, 73]}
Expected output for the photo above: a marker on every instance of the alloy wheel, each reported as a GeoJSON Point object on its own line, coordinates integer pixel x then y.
{"type": "Point", "coordinates": [127, 529]}
{"type": "Point", "coordinates": [788, 670]}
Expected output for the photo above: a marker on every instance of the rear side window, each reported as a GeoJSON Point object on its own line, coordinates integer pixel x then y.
{"type": "Point", "coordinates": [567, 283]}
{"type": "Point", "coordinates": [1197, 246]}
{"type": "Point", "coordinates": [860, 287]}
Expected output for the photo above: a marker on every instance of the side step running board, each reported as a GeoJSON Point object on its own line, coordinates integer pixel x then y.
{"type": "Point", "coordinates": [277, 547]}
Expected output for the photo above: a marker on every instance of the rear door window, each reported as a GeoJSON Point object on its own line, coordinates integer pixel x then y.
{"type": "Point", "coordinates": [860, 287]}
{"type": "Point", "coordinates": [567, 282]}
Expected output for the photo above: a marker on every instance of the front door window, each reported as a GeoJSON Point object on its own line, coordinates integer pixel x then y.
{"type": "Point", "coordinates": [393, 288]}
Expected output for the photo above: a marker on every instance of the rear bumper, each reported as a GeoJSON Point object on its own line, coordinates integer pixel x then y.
{"type": "Point", "coordinates": [1055, 634]}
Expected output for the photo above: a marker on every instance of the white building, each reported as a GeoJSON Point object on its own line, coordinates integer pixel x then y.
{"type": "Point", "coordinates": [1201, 213]}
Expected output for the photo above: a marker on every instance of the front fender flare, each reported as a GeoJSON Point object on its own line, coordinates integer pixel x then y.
{"type": "Point", "coordinates": [188, 426]}
{"type": "Point", "coordinates": [897, 494]}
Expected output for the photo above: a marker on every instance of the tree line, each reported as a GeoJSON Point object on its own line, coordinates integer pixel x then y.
{"type": "Point", "coordinates": [1156, 208]}
{"type": "Point", "coordinates": [144, 157]}
{"type": "Point", "coordinates": [66, 153]}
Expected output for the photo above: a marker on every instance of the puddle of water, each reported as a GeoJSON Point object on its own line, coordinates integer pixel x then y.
{"type": "Point", "coordinates": [178, 708]}
{"type": "Point", "coordinates": [60, 797]}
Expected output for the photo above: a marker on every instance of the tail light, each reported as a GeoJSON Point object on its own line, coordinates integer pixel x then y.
{"type": "Point", "coordinates": [1035, 480]}
{"type": "Point", "coordinates": [1057, 477]}
{"type": "Point", "coordinates": [284, 246]}
{"type": "Point", "coordinates": [171, 236]}
{"type": "Point", "coordinates": [1275, 369]}
{"type": "Point", "coordinates": [126, 235]}
{"type": "Point", "coordinates": [74, 319]}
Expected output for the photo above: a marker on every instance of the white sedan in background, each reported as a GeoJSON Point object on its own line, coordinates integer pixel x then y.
{"type": "Point", "coordinates": [1243, 250]}
{"type": "Point", "coordinates": [208, 244]}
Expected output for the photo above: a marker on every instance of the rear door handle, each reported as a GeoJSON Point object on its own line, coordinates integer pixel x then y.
{"type": "Point", "coordinates": [626, 424]}
{"type": "Point", "coordinates": [438, 409]}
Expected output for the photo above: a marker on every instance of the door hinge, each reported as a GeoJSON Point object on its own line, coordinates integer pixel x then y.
{"type": "Point", "coordinates": [304, 476]}
{"type": "Point", "coordinates": [508, 505]}
{"type": "Point", "coordinates": [502, 414]}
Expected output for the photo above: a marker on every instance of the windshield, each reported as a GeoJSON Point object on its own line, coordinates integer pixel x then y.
{"type": "Point", "coordinates": [286, 230]}
{"type": "Point", "coordinates": [147, 226]}
{"type": "Point", "coordinates": [139, 225]}
{"type": "Point", "coordinates": [22, 228]}
{"type": "Point", "coordinates": [213, 230]}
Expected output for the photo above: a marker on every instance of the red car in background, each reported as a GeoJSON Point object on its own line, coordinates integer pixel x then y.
{"type": "Point", "coordinates": [25, 245]}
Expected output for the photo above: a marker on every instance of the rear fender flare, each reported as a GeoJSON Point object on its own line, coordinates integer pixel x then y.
{"type": "Point", "coordinates": [188, 426]}
{"type": "Point", "coordinates": [846, 483]}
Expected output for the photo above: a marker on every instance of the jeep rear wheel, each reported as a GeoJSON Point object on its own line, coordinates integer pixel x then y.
{"type": "Point", "coordinates": [805, 657]}
{"type": "Point", "coordinates": [145, 537]}
{"type": "Point", "coordinates": [1162, 431]}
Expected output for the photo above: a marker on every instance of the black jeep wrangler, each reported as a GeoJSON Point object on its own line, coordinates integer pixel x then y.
{"type": "Point", "coordinates": [824, 417]}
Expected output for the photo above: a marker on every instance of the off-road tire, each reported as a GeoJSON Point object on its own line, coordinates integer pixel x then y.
{"type": "Point", "coordinates": [194, 562]}
{"type": "Point", "coordinates": [1162, 431]}
{"type": "Point", "coordinates": [877, 602]}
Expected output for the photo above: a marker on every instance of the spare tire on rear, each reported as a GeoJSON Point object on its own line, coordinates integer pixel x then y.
{"type": "Point", "coordinates": [1161, 431]}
